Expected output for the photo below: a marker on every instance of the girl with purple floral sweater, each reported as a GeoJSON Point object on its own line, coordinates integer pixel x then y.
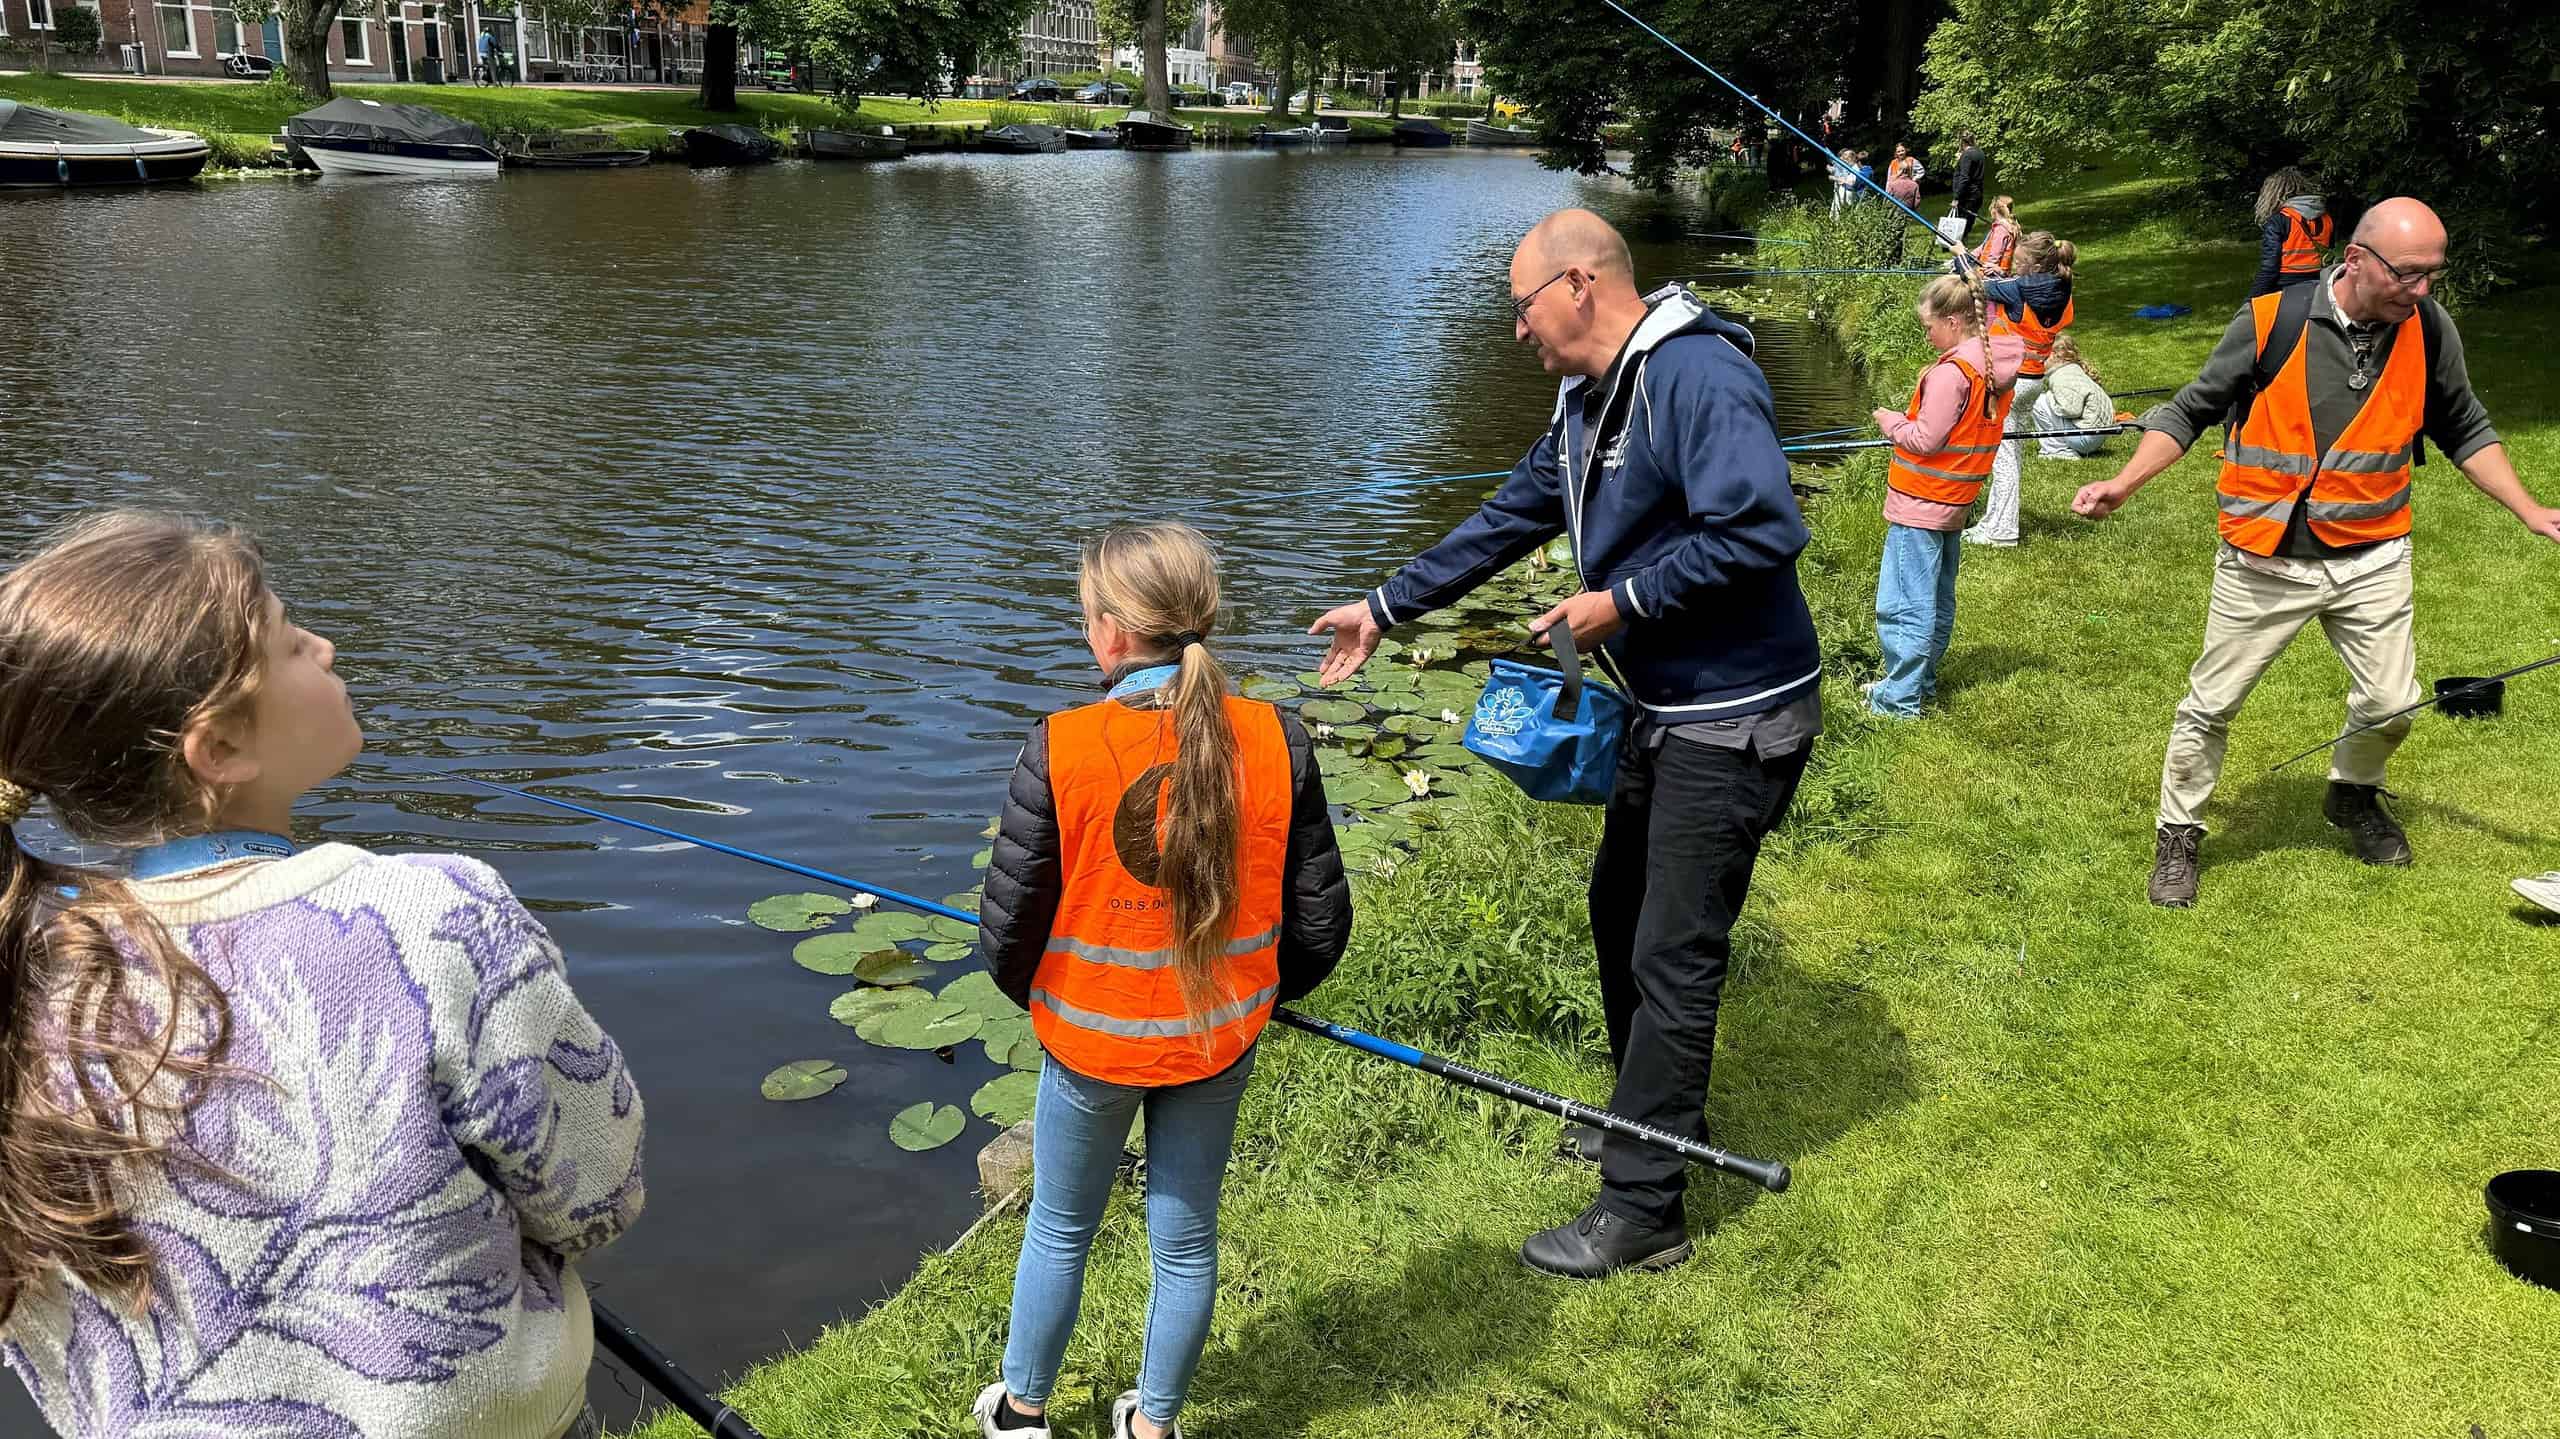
{"type": "Point", "coordinates": [293, 1142]}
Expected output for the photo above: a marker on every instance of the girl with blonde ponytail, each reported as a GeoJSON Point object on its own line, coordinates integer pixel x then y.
{"type": "Point", "coordinates": [1942, 448]}
{"type": "Point", "coordinates": [1164, 873]}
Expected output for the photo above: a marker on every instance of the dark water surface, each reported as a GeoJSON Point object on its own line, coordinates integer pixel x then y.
{"type": "Point", "coordinates": [746, 502]}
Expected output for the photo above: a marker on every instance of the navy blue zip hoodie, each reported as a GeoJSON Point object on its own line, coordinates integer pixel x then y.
{"type": "Point", "coordinates": [1678, 504]}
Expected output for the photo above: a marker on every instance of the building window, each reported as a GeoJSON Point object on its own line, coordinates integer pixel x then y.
{"type": "Point", "coordinates": [40, 14]}
{"type": "Point", "coordinates": [177, 30]}
{"type": "Point", "coordinates": [357, 39]}
{"type": "Point", "coordinates": [226, 30]}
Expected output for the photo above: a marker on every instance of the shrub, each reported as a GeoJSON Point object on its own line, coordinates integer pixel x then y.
{"type": "Point", "coordinates": [233, 151]}
{"type": "Point", "coordinates": [1734, 194]}
{"type": "Point", "coordinates": [76, 29]}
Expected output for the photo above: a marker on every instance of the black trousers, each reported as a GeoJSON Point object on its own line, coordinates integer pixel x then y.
{"type": "Point", "coordinates": [1683, 829]}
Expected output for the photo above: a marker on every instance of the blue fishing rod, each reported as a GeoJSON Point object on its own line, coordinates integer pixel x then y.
{"type": "Point", "coordinates": [1754, 100]}
{"type": "Point", "coordinates": [1831, 446]}
{"type": "Point", "coordinates": [1397, 482]}
{"type": "Point", "coordinates": [1769, 1174]}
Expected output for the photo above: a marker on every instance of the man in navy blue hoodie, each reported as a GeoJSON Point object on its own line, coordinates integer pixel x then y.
{"type": "Point", "coordinates": [1661, 461]}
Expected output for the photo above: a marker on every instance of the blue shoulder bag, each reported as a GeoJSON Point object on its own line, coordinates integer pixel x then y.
{"type": "Point", "coordinates": [1553, 735]}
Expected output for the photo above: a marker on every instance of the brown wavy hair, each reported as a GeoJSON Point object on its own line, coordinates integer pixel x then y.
{"type": "Point", "coordinates": [120, 636]}
{"type": "Point", "coordinates": [1160, 582]}
{"type": "Point", "coordinates": [2039, 253]}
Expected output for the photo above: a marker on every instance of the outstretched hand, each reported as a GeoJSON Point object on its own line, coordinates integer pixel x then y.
{"type": "Point", "coordinates": [1593, 614]}
{"type": "Point", "coordinates": [2100, 498]}
{"type": "Point", "coordinates": [2543, 520]}
{"type": "Point", "coordinates": [1355, 635]}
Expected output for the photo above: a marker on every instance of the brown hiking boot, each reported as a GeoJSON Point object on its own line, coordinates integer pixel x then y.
{"type": "Point", "coordinates": [2173, 870]}
{"type": "Point", "coordinates": [2357, 809]}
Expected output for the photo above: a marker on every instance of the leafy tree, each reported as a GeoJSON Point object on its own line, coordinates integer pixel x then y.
{"type": "Point", "coordinates": [1579, 65]}
{"type": "Point", "coordinates": [1407, 38]}
{"type": "Point", "coordinates": [2451, 103]}
{"type": "Point", "coordinates": [1297, 31]}
{"type": "Point", "coordinates": [866, 42]}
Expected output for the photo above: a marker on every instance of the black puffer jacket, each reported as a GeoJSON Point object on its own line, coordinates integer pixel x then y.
{"type": "Point", "coordinates": [1024, 881]}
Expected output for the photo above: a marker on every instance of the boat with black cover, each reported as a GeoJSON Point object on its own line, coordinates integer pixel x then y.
{"type": "Point", "coordinates": [1023, 140]}
{"type": "Point", "coordinates": [348, 136]}
{"type": "Point", "coordinates": [41, 148]}
{"type": "Point", "coordinates": [1142, 131]}
{"type": "Point", "coordinates": [729, 145]}
{"type": "Point", "coordinates": [1420, 135]}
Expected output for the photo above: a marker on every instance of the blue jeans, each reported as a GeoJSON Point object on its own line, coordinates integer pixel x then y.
{"type": "Point", "coordinates": [1915, 615]}
{"type": "Point", "coordinates": [1077, 1128]}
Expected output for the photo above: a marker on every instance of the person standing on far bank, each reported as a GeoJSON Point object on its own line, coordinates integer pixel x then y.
{"type": "Point", "coordinates": [1661, 460]}
{"type": "Point", "coordinates": [1970, 165]}
{"type": "Point", "coordinates": [2329, 387]}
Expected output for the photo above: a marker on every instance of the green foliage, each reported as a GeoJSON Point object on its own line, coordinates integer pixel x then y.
{"type": "Point", "coordinates": [1577, 77]}
{"type": "Point", "coordinates": [239, 152]}
{"type": "Point", "coordinates": [2451, 103]}
{"type": "Point", "coordinates": [76, 28]}
{"type": "Point", "coordinates": [1734, 194]}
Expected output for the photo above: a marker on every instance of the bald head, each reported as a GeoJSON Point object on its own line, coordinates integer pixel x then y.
{"type": "Point", "coordinates": [2401, 227]}
{"type": "Point", "coordinates": [1579, 237]}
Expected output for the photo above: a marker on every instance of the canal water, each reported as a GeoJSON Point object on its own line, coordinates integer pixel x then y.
{"type": "Point", "coordinates": [746, 502]}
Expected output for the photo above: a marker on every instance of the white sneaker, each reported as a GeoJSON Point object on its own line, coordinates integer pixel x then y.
{"type": "Point", "coordinates": [1975, 536]}
{"type": "Point", "coordinates": [2542, 889]}
{"type": "Point", "coordinates": [985, 1411]}
{"type": "Point", "coordinates": [1124, 1410]}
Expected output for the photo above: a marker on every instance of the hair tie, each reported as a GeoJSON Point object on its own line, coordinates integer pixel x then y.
{"type": "Point", "coordinates": [15, 801]}
{"type": "Point", "coordinates": [1185, 639]}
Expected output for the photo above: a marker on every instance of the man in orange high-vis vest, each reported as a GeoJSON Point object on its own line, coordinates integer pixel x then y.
{"type": "Point", "coordinates": [2336, 384]}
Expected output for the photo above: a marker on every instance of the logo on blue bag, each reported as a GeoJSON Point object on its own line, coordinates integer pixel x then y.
{"type": "Point", "coordinates": [1502, 713]}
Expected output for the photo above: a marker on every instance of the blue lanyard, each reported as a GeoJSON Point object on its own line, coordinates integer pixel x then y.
{"type": "Point", "coordinates": [1153, 677]}
{"type": "Point", "coordinates": [202, 851]}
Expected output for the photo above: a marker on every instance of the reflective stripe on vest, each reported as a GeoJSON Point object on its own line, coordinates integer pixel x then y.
{"type": "Point", "coordinates": [2353, 493]}
{"type": "Point", "coordinates": [2034, 333]}
{"type": "Point", "coordinates": [1107, 1000]}
{"type": "Point", "coordinates": [1953, 473]}
{"type": "Point", "coordinates": [2303, 242]}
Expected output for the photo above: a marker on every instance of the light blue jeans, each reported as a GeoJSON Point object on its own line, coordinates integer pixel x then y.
{"type": "Point", "coordinates": [1915, 615]}
{"type": "Point", "coordinates": [1077, 1128]}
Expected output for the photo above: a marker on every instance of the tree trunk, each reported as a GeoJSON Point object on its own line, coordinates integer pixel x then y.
{"type": "Point", "coordinates": [1281, 90]}
{"type": "Point", "coordinates": [1158, 98]}
{"type": "Point", "coordinates": [720, 68]}
{"type": "Point", "coordinates": [1315, 72]}
{"type": "Point", "coordinates": [307, 26]}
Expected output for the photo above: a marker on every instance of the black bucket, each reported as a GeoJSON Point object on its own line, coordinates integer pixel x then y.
{"type": "Point", "coordinates": [2487, 702]}
{"type": "Point", "coordinates": [2524, 1224]}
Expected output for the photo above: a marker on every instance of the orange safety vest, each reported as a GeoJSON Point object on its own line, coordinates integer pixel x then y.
{"type": "Point", "coordinates": [2036, 333]}
{"type": "Point", "coordinates": [2304, 242]}
{"type": "Point", "coordinates": [2003, 234]}
{"type": "Point", "coordinates": [1953, 473]}
{"type": "Point", "coordinates": [1106, 1000]}
{"type": "Point", "coordinates": [2358, 490]}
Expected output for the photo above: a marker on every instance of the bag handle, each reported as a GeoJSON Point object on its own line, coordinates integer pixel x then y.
{"type": "Point", "coordinates": [1568, 664]}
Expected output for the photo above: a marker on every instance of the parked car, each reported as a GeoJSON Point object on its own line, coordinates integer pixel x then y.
{"type": "Point", "coordinates": [1102, 92]}
{"type": "Point", "coordinates": [1323, 102]}
{"type": "Point", "coordinates": [1240, 93]}
{"type": "Point", "coordinates": [1039, 88]}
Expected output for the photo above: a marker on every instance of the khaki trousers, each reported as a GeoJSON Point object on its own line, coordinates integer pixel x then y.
{"type": "Point", "coordinates": [2365, 605]}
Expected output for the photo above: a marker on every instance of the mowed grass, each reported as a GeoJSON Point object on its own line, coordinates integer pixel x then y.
{"type": "Point", "coordinates": [2066, 1165]}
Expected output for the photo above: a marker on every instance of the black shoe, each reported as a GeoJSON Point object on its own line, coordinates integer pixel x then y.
{"type": "Point", "coordinates": [2357, 809]}
{"type": "Point", "coordinates": [1599, 1243]}
{"type": "Point", "coordinates": [2173, 869]}
{"type": "Point", "coordinates": [1581, 1142]}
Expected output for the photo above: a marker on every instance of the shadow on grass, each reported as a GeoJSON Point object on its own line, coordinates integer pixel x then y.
{"type": "Point", "coordinates": [1990, 665]}
{"type": "Point", "coordinates": [2282, 812]}
{"type": "Point", "coordinates": [1455, 1310]}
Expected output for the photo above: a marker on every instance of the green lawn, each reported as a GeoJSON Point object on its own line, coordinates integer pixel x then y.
{"type": "Point", "coordinates": [2066, 1165]}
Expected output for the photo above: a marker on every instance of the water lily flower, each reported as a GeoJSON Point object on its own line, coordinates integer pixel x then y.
{"type": "Point", "coordinates": [1448, 716]}
{"type": "Point", "coordinates": [1417, 781]}
{"type": "Point", "coordinates": [864, 901]}
{"type": "Point", "coordinates": [1324, 731]}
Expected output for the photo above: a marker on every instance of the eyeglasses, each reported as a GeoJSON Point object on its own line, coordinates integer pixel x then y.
{"type": "Point", "coordinates": [2409, 278]}
{"type": "Point", "coordinates": [1520, 307]}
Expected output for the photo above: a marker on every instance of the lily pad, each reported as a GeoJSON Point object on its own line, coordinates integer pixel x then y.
{"type": "Point", "coordinates": [1024, 1055]}
{"type": "Point", "coordinates": [922, 1026]}
{"type": "Point", "coordinates": [879, 930]}
{"type": "Point", "coordinates": [1308, 679]}
{"type": "Point", "coordinates": [792, 913]}
{"type": "Point", "coordinates": [966, 900]}
{"type": "Point", "coordinates": [1269, 687]}
{"type": "Point", "coordinates": [978, 992]}
{"type": "Point", "coordinates": [856, 1005]}
{"type": "Point", "coordinates": [890, 967]}
{"type": "Point", "coordinates": [943, 929]}
{"type": "Point", "coordinates": [1387, 746]}
{"type": "Point", "coordinates": [927, 1126]}
{"type": "Point", "coordinates": [1006, 1099]}
{"type": "Point", "coordinates": [803, 1079]}
{"type": "Point", "coordinates": [1333, 711]}
{"type": "Point", "coordinates": [946, 952]}
{"type": "Point", "coordinates": [837, 954]}
{"type": "Point", "coordinates": [983, 858]}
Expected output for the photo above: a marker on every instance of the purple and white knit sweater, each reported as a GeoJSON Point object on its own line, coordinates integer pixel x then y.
{"type": "Point", "coordinates": [427, 1126]}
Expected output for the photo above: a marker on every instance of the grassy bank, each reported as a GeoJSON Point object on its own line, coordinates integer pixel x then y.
{"type": "Point", "coordinates": [245, 115]}
{"type": "Point", "coordinates": [2067, 1165]}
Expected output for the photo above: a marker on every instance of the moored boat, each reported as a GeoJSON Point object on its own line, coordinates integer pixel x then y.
{"type": "Point", "coordinates": [1142, 131]}
{"type": "Point", "coordinates": [855, 144]}
{"type": "Point", "coordinates": [1283, 139]}
{"type": "Point", "coordinates": [1092, 139]}
{"type": "Point", "coordinates": [1420, 135]}
{"type": "Point", "coordinates": [41, 147]}
{"type": "Point", "coordinates": [1023, 140]}
{"type": "Point", "coordinates": [706, 145]}
{"type": "Point", "coordinates": [585, 152]}
{"type": "Point", "coordinates": [1480, 133]}
{"type": "Point", "coordinates": [368, 137]}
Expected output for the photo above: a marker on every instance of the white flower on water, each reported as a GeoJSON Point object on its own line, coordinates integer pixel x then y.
{"type": "Point", "coordinates": [1324, 731]}
{"type": "Point", "coordinates": [1448, 716]}
{"type": "Point", "coordinates": [865, 901]}
{"type": "Point", "coordinates": [1418, 782]}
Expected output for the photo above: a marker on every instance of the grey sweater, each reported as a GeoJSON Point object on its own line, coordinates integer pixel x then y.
{"type": "Point", "coordinates": [2455, 419]}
